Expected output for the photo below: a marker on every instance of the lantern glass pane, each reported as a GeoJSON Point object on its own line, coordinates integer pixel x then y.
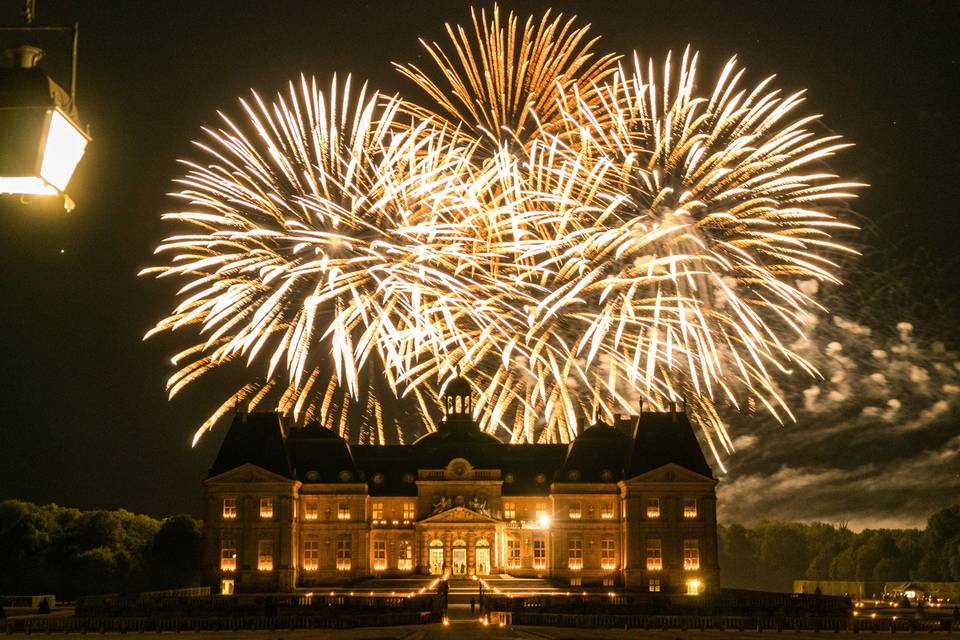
{"type": "Point", "coordinates": [64, 148]}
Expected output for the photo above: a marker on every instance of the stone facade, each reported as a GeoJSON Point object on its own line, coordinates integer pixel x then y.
{"type": "Point", "coordinates": [299, 510]}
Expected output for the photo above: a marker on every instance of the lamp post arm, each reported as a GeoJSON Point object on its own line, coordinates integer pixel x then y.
{"type": "Point", "coordinates": [73, 64]}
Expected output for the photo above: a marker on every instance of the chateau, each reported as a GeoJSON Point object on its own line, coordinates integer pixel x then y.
{"type": "Point", "coordinates": [630, 504]}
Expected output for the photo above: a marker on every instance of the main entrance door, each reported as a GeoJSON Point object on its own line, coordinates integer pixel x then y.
{"type": "Point", "coordinates": [436, 558]}
{"type": "Point", "coordinates": [483, 557]}
{"type": "Point", "coordinates": [459, 558]}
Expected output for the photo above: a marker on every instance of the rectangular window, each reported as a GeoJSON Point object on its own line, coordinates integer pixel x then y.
{"type": "Point", "coordinates": [539, 554]}
{"type": "Point", "coordinates": [311, 509]}
{"type": "Point", "coordinates": [265, 555]}
{"type": "Point", "coordinates": [654, 555]}
{"type": "Point", "coordinates": [409, 512]}
{"type": "Point", "coordinates": [228, 555]}
{"type": "Point", "coordinates": [606, 511]}
{"type": "Point", "coordinates": [513, 554]}
{"type": "Point", "coordinates": [343, 554]}
{"type": "Point", "coordinates": [575, 555]}
{"type": "Point", "coordinates": [608, 554]}
{"type": "Point", "coordinates": [311, 555]}
{"type": "Point", "coordinates": [540, 515]}
{"type": "Point", "coordinates": [377, 511]}
{"type": "Point", "coordinates": [343, 511]}
{"type": "Point", "coordinates": [509, 511]}
{"type": "Point", "coordinates": [379, 555]}
{"type": "Point", "coordinates": [266, 508]}
{"type": "Point", "coordinates": [653, 508]}
{"type": "Point", "coordinates": [229, 508]}
{"type": "Point", "coordinates": [690, 508]}
{"type": "Point", "coordinates": [608, 582]}
{"type": "Point", "coordinates": [574, 511]}
{"type": "Point", "coordinates": [691, 555]}
{"type": "Point", "coordinates": [405, 561]}
{"type": "Point", "coordinates": [576, 582]}
{"type": "Point", "coordinates": [653, 586]}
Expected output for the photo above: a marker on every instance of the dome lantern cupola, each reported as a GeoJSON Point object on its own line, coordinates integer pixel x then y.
{"type": "Point", "coordinates": [457, 400]}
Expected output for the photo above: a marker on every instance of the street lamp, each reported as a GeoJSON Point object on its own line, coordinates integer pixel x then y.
{"type": "Point", "coordinates": [41, 139]}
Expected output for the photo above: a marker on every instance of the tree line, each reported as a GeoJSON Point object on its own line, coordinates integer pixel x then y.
{"type": "Point", "coordinates": [70, 553]}
{"type": "Point", "coordinates": [771, 555]}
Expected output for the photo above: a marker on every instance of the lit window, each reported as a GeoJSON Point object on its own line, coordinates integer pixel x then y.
{"type": "Point", "coordinates": [379, 555]}
{"type": "Point", "coordinates": [653, 586]}
{"type": "Point", "coordinates": [691, 555]}
{"type": "Point", "coordinates": [694, 587]}
{"type": "Point", "coordinates": [606, 511]}
{"type": "Point", "coordinates": [653, 508]}
{"type": "Point", "coordinates": [265, 555]}
{"type": "Point", "coordinates": [574, 511]}
{"type": "Point", "coordinates": [311, 509]}
{"type": "Point", "coordinates": [343, 555]}
{"type": "Point", "coordinates": [266, 507]}
{"type": "Point", "coordinates": [405, 561]}
{"type": "Point", "coordinates": [654, 555]}
{"type": "Point", "coordinates": [409, 512]}
{"type": "Point", "coordinates": [226, 587]}
{"type": "Point", "coordinates": [608, 582]}
{"type": "Point", "coordinates": [575, 555]}
{"type": "Point", "coordinates": [229, 508]}
{"type": "Point", "coordinates": [540, 514]}
{"type": "Point", "coordinates": [608, 555]}
{"type": "Point", "coordinates": [377, 511]}
{"type": "Point", "coordinates": [513, 554]}
{"type": "Point", "coordinates": [539, 554]}
{"type": "Point", "coordinates": [576, 582]}
{"type": "Point", "coordinates": [509, 511]}
{"type": "Point", "coordinates": [690, 508]}
{"type": "Point", "coordinates": [311, 555]}
{"type": "Point", "coordinates": [228, 555]}
{"type": "Point", "coordinates": [343, 511]}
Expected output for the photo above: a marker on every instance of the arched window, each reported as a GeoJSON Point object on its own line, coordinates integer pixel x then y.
{"type": "Point", "coordinates": [457, 405]}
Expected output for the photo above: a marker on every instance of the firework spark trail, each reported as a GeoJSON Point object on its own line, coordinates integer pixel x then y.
{"type": "Point", "coordinates": [505, 84]}
{"type": "Point", "coordinates": [573, 235]}
{"type": "Point", "coordinates": [682, 268]}
{"type": "Point", "coordinates": [312, 238]}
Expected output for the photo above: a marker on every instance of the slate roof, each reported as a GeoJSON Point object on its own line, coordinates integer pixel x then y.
{"type": "Point", "coordinates": [598, 454]}
{"type": "Point", "coordinates": [601, 453]}
{"type": "Point", "coordinates": [664, 438]}
{"type": "Point", "coordinates": [255, 438]}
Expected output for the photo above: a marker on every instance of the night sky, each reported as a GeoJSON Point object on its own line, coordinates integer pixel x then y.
{"type": "Point", "coordinates": [84, 419]}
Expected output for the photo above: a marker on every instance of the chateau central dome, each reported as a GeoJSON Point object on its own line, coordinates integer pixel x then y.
{"type": "Point", "coordinates": [458, 425]}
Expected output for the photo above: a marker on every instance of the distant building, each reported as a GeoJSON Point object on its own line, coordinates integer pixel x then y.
{"type": "Point", "coordinates": [630, 505]}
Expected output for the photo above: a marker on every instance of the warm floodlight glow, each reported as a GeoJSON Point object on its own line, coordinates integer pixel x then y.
{"type": "Point", "coordinates": [60, 144]}
{"type": "Point", "coordinates": [26, 185]}
{"type": "Point", "coordinates": [694, 587]}
{"type": "Point", "coordinates": [63, 150]}
{"type": "Point", "coordinates": [545, 521]}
